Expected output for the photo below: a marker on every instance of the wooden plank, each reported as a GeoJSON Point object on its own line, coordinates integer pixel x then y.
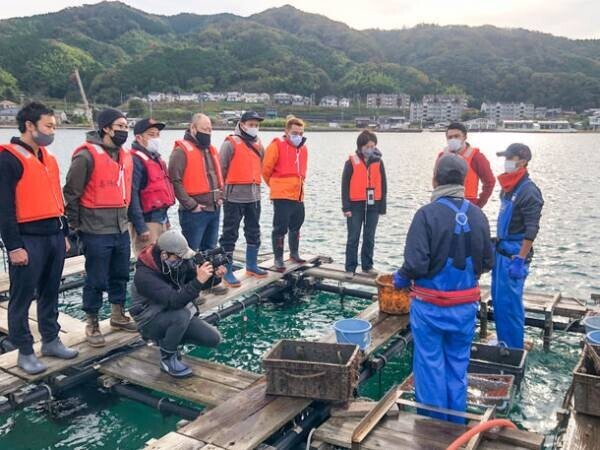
{"type": "Point", "coordinates": [474, 442]}
{"type": "Point", "coordinates": [372, 418]}
{"type": "Point", "coordinates": [582, 433]}
{"type": "Point", "coordinates": [9, 383]}
{"type": "Point", "coordinates": [114, 340]}
{"type": "Point", "coordinates": [210, 385]}
{"type": "Point", "coordinates": [358, 409]}
{"type": "Point", "coordinates": [33, 325]}
{"type": "Point", "coordinates": [175, 441]}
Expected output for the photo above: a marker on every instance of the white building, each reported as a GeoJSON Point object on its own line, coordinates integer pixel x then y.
{"type": "Point", "coordinates": [188, 97]}
{"type": "Point", "coordinates": [282, 98]}
{"type": "Point", "coordinates": [559, 125]}
{"type": "Point", "coordinates": [499, 111]}
{"type": "Point", "coordinates": [250, 97]}
{"type": "Point", "coordinates": [388, 101]}
{"type": "Point", "coordinates": [519, 124]}
{"type": "Point", "coordinates": [481, 124]}
{"type": "Point", "coordinates": [594, 121]}
{"type": "Point", "coordinates": [5, 104]}
{"type": "Point", "coordinates": [344, 102]}
{"type": "Point", "coordinates": [155, 97]}
{"type": "Point", "coordinates": [9, 115]}
{"type": "Point", "coordinates": [298, 100]}
{"type": "Point", "coordinates": [438, 108]}
{"type": "Point", "coordinates": [234, 96]}
{"type": "Point", "coordinates": [329, 101]}
{"type": "Point", "coordinates": [264, 98]}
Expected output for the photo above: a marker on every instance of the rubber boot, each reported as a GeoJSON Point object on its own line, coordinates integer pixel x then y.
{"type": "Point", "coordinates": [170, 362]}
{"type": "Point", "coordinates": [57, 349]}
{"type": "Point", "coordinates": [294, 242]}
{"type": "Point", "coordinates": [93, 336]}
{"type": "Point", "coordinates": [119, 320]}
{"type": "Point", "coordinates": [30, 364]}
{"type": "Point", "coordinates": [278, 252]}
{"type": "Point", "coordinates": [229, 278]}
{"type": "Point", "coordinates": [252, 268]}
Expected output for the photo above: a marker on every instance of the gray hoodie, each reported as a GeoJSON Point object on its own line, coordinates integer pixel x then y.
{"type": "Point", "coordinates": [90, 220]}
{"type": "Point", "coordinates": [238, 193]}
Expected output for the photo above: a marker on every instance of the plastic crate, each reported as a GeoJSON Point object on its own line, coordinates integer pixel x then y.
{"type": "Point", "coordinates": [498, 360]}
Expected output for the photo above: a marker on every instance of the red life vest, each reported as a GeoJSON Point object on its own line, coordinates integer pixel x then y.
{"type": "Point", "coordinates": [246, 164]}
{"type": "Point", "coordinates": [38, 194]}
{"type": "Point", "coordinates": [291, 161]}
{"type": "Point", "coordinates": [109, 185]}
{"type": "Point", "coordinates": [195, 177]}
{"type": "Point", "coordinates": [361, 179]}
{"type": "Point", "coordinates": [158, 192]}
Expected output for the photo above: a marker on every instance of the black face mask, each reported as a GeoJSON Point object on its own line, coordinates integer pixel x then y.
{"type": "Point", "coordinates": [203, 139]}
{"type": "Point", "coordinates": [119, 138]}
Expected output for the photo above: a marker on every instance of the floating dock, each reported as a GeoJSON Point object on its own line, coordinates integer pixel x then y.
{"type": "Point", "coordinates": [238, 414]}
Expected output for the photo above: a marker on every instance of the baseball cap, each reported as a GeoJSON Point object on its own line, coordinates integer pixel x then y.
{"type": "Point", "coordinates": [520, 150]}
{"type": "Point", "coordinates": [450, 164]}
{"type": "Point", "coordinates": [251, 115]}
{"type": "Point", "coordinates": [145, 124]}
{"type": "Point", "coordinates": [172, 241]}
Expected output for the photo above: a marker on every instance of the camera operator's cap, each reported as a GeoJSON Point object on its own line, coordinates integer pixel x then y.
{"type": "Point", "coordinates": [146, 124]}
{"type": "Point", "coordinates": [172, 241]}
{"type": "Point", "coordinates": [520, 150]}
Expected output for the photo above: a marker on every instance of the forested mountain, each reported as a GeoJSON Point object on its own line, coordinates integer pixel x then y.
{"type": "Point", "coordinates": [123, 51]}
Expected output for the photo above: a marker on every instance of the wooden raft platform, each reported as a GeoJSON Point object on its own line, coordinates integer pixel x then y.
{"type": "Point", "coordinates": [582, 433]}
{"type": "Point", "coordinates": [409, 431]}
{"type": "Point", "coordinates": [210, 385]}
{"type": "Point", "coordinates": [250, 417]}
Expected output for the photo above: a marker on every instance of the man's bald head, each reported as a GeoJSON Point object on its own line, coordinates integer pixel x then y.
{"type": "Point", "coordinates": [200, 123]}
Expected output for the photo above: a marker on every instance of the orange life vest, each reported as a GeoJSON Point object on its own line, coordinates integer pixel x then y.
{"type": "Point", "coordinates": [158, 192]}
{"type": "Point", "coordinates": [195, 176]}
{"type": "Point", "coordinates": [246, 164]}
{"type": "Point", "coordinates": [291, 161]}
{"type": "Point", "coordinates": [38, 195]}
{"type": "Point", "coordinates": [472, 179]}
{"type": "Point", "coordinates": [361, 179]}
{"type": "Point", "coordinates": [109, 185]}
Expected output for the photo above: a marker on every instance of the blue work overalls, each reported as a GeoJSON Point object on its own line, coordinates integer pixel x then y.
{"type": "Point", "coordinates": [507, 292]}
{"type": "Point", "coordinates": [442, 319]}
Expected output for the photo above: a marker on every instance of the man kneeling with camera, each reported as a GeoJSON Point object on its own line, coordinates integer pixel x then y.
{"type": "Point", "coordinates": [167, 283]}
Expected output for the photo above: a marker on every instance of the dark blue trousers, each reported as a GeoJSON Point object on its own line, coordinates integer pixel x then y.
{"type": "Point", "coordinates": [39, 279]}
{"type": "Point", "coordinates": [106, 269]}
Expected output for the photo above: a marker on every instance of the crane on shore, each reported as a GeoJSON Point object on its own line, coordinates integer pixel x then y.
{"type": "Point", "coordinates": [86, 105]}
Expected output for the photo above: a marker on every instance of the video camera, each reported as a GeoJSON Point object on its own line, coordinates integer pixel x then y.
{"type": "Point", "coordinates": [216, 257]}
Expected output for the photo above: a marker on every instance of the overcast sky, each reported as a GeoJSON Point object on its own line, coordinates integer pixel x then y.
{"type": "Point", "coordinates": [571, 18]}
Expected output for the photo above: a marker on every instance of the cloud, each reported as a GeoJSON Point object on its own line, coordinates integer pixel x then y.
{"type": "Point", "coordinates": [571, 18]}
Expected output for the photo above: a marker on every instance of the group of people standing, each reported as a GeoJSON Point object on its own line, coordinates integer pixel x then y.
{"type": "Point", "coordinates": [115, 199]}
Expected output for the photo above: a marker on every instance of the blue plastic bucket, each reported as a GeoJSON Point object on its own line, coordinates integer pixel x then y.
{"type": "Point", "coordinates": [591, 323]}
{"type": "Point", "coordinates": [593, 337]}
{"type": "Point", "coordinates": [353, 331]}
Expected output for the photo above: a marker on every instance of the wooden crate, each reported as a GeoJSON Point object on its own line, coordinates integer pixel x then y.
{"type": "Point", "coordinates": [586, 385]}
{"type": "Point", "coordinates": [315, 370]}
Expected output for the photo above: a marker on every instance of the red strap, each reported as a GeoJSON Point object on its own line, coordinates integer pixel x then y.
{"type": "Point", "coordinates": [446, 298]}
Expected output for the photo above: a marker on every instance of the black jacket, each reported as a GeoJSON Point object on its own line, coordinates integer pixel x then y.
{"type": "Point", "coordinates": [347, 204]}
{"type": "Point", "coordinates": [527, 210]}
{"type": "Point", "coordinates": [430, 235]}
{"type": "Point", "coordinates": [153, 291]}
{"type": "Point", "coordinates": [11, 171]}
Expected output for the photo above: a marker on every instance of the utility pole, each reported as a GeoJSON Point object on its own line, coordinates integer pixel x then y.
{"type": "Point", "coordinates": [86, 105]}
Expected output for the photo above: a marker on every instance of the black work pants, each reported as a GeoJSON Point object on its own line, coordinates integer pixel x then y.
{"type": "Point", "coordinates": [288, 215]}
{"type": "Point", "coordinates": [233, 213]}
{"type": "Point", "coordinates": [368, 224]}
{"type": "Point", "coordinates": [40, 279]}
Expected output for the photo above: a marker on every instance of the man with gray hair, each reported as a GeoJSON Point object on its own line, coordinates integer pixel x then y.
{"type": "Point", "coordinates": [448, 247]}
{"type": "Point", "coordinates": [195, 172]}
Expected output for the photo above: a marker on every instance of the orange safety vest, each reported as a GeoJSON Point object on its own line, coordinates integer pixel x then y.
{"type": "Point", "coordinates": [38, 195]}
{"type": "Point", "coordinates": [361, 179]}
{"type": "Point", "coordinates": [245, 166]}
{"type": "Point", "coordinates": [291, 161]}
{"type": "Point", "coordinates": [472, 179]}
{"type": "Point", "coordinates": [109, 185]}
{"type": "Point", "coordinates": [195, 176]}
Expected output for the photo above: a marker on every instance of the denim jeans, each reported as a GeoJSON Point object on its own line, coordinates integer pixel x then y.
{"type": "Point", "coordinates": [201, 229]}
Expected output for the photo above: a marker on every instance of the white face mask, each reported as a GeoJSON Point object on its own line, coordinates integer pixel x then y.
{"type": "Point", "coordinates": [510, 166]}
{"type": "Point", "coordinates": [153, 145]}
{"type": "Point", "coordinates": [454, 145]}
{"type": "Point", "coordinates": [252, 131]}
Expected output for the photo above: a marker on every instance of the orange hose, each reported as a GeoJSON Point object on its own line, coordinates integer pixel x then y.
{"type": "Point", "coordinates": [479, 428]}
